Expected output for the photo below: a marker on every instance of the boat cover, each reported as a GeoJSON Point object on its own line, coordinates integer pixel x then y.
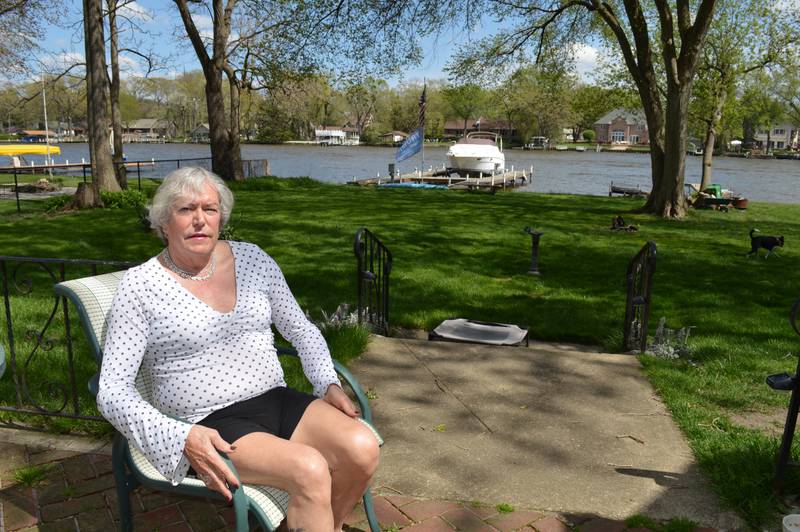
{"type": "Point", "coordinates": [10, 150]}
{"type": "Point", "coordinates": [479, 332]}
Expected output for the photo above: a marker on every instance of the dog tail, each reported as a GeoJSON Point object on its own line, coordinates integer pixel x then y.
{"type": "Point", "coordinates": [753, 230]}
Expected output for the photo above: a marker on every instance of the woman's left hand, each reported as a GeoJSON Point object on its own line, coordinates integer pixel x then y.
{"type": "Point", "coordinates": [335, 396]}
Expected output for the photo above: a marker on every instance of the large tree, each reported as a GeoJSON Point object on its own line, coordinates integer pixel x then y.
{"type": "Point", "coordinates": [536, 101]}
{"type": "Point", "coordinates": [21, 27]}
{"type": "Point", "coordinates": [362, 97]}
{"type": "Point", "coordinates": [747, 36]}
{"type": "Point", "coordinates": [215, 60]}
{"type": "Point", "coordinates": [119, 13]}
{"type": "Point", "coordinates": [659, 42]}
{"type": "Point", "coordinates": [787, 90]}
{"type": "Point", "coordinates": [103, 177]}
{"type": "Point", "coordinates": [465, 101]}
{"type": "Point", "coordinates": [256, 42]}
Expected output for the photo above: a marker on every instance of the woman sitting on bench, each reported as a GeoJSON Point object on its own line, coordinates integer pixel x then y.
{"type": "Point", "coordinates": [193, 324]}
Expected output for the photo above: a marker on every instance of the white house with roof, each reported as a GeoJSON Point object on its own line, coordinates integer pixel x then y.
{"type": "Point", "coordinates": [622, 126]}
{"type": "Point", "coordinates": [781, 137]}
{"type": "Point", "coordinates": [148, 130]}
{"type": "Point", "coordinates": [200, 133]}
{"type": "Point", "coordinates": [337, 136]}
{"type": "Point", "coordinates": [393, 137]}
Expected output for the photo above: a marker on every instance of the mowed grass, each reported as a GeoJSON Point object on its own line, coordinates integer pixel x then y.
{"type": "Point", "coordinates": [466, 255]}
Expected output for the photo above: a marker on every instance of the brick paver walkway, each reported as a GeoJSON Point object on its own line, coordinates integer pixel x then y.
{"type": "Point", "coordinates": [76, 493]}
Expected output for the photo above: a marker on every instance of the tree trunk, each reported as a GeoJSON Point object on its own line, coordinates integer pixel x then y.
{"type": "Point", "coordinates": [219, 135]}
{"type": "Point", "coordinates": [85, 196]}
{"type": "Point", "coordinates": [668, 197]}
{"type": "Point", "coordinates": [708, 156]}
{"type": "Point", "coordinates": [97, 100]}
{"type": "Point", "coordinates": [668, 155]}
{"type": "Point", "coordinates": [116, 115]}
{"type": "Point", "coordinates": [235, 149]}
{"type": "Point", "coordinates": [711, 138]}
{"type": "Point", "coordinates": [225, 149]}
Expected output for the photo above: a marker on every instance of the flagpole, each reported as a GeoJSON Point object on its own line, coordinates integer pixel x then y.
{"type": "Point", "coordinates": [423, 103]}
{"type": "Point", "coordinates": [422, 164]}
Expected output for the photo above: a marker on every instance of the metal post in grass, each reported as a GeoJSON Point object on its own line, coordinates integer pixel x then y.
{"type": "Point", "coordinates": [637, 307]}
{"type": "Point", "coordinates": [16, 190]}
{"type": "Point", "coordinates": [535, 236]}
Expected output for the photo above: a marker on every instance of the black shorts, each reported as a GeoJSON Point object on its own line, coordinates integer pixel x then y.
{"type": "Point", "coordinates": [276, 412]}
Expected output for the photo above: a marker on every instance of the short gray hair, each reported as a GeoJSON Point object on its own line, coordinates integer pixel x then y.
{"type": "Point", "coordinates": [183, 182]}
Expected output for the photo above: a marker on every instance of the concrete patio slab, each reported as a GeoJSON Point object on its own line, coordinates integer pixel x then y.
{"type": "Point", "coordinates": [550, 427]}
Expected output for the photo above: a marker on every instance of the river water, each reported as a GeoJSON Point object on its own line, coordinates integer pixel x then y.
{"type": "Point", "coordinates": [554, 171]}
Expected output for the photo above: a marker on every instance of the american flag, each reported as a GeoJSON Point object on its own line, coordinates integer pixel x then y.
{"type": "Point", "coordinates": [423, 103]}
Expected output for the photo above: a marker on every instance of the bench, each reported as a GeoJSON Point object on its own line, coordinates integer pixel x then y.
{"type": "Point", "coordinates": [92, 297]}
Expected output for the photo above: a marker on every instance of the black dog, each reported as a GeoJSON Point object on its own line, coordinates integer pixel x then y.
{"type": "Point", "coordinates": [767, 242]}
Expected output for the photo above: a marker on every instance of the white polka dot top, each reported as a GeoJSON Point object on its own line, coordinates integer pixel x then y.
{"type": "Point", "coordinates": [168, 355]}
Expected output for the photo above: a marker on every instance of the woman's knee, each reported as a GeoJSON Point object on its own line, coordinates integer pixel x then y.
{"type": "Point", "coordinates": [311, 475]}
{"type": "Point", "coordinates": [363, 451]}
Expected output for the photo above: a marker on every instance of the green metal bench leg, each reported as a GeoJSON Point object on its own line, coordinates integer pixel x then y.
{"type": "Point", "coordinates": [370, 511]}
{"type": "Point", "coordinates": [240, 510]}
{"type": "Point", "coordinates": [241, 505]}
{"type": "Point", "coordinates": [124, 483]}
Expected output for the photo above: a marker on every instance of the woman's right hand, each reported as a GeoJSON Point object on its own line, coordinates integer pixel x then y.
{"type": "Point", "coordinates": [202, 449]}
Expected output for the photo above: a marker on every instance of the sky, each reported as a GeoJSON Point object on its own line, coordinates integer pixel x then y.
{"type": "Point", "coordinates": [64, 44]}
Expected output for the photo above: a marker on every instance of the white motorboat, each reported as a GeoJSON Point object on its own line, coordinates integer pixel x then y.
{"type": "Point", "coordinates": [480, 152]}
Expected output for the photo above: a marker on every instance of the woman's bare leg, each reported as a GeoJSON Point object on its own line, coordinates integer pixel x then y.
{"type": "Point", "coordinates": [297, 468]}
{"type": "Point", "coordinates": [350, 449]}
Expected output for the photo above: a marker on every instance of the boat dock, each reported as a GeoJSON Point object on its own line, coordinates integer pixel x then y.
{"type": "Point", "coordinates": [627, 190]}
{"type": "Point", "coordinates": [444, 179]}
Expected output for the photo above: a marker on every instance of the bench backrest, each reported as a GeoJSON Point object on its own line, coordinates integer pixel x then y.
{"type": "Point", "coordinates": [92, 297]}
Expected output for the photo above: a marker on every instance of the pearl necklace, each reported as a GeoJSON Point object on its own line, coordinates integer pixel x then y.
{"type": "Point", "coordinates": [199, 276]}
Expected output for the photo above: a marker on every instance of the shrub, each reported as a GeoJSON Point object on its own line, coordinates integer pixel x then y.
{"type": "Point", "coordinates": [56, 203]}
{"type": "Point", "coordinates": [589, 135]}
{"type": "Point", "coordinates": [124, 199]}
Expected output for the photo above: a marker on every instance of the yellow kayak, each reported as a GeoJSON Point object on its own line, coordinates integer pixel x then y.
{"type": "Point", "coordinates": [11, 150]}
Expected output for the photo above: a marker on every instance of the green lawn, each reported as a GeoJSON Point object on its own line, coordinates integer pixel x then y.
{"type": "Point", "coordinates": [460, 254]}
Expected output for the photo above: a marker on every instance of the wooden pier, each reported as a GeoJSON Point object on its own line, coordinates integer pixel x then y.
{"type": "Point", "coordinates": [445, 180]}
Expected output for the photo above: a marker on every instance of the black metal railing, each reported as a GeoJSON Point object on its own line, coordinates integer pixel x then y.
{"type": "Point", "coordinates": [785, 382]}
{"type": "Point", "coordinates": [637, 308]}
{"type": "Point", "coordinates": [152, 169]}
{"type": "Point", "coordinates": [46, 377]}
{"type": "Point", "coordinates": [373, 267]}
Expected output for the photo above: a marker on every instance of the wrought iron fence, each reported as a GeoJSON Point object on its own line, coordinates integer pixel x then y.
{"type": "Point", "coordinates": [152, 169]}
{"type": "Point", "coordinates": [374, 265]}
{"type": "Point", "coordinates": [46, 376]}
{"type": "Point", "coordinates": [637, 308]}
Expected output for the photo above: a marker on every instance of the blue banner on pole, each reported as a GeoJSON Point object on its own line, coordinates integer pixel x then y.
{"type": "Point", "coordinates": [410, 147]}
